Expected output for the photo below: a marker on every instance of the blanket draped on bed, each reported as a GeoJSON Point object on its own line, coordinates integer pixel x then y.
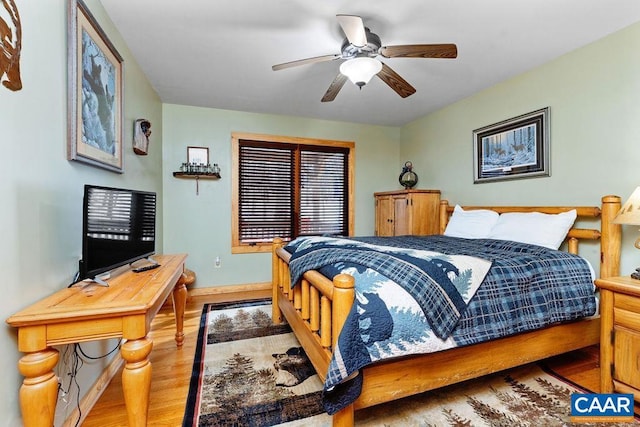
{"type": "Point", "coordinates": [441, 284]}
{"type": "Point", "coordinates": [527, 287]}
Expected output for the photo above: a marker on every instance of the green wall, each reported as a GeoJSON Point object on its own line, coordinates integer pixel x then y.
{"type": "Point", "coordinates": [41, 192]}
{"type": "Point", "coordinates": [594, 99]}
{"type": "Point", "coordinates": [201, 224]}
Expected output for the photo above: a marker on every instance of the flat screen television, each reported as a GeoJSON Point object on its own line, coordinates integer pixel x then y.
{"type": "Point", "coordinates": [118, 228]}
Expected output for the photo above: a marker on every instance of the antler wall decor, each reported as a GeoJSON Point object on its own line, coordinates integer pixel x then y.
{"type": "Point", "coordinates": [10, 46]}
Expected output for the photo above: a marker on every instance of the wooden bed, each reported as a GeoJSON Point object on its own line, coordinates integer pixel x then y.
{"type": "Point", "coordinates": [317, 308]}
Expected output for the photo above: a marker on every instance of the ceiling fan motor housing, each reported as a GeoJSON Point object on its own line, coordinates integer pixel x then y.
{"type": "Point", "coordinates": [371, 49]}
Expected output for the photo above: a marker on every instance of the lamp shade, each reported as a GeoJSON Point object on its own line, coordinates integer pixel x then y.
{"type": "Point", "coordinates": [630, 211]}
{"type": "Point", "coordinates": [360, 70]}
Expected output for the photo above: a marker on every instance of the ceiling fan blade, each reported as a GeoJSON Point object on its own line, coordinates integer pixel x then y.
{"type": "Point", "coordinates": [334, 88]}
{"type": "Point", "coordinates": [306, 61]}
{"type": "Point", "coordinates": [353, 28]}
{"type": "Point", "coordinates": [447, 50]}
{"type": "Point", "coordinates": [395, 82]}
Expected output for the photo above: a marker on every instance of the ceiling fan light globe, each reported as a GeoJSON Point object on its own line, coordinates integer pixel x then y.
{"type": "Point", "coordinates": [360, 70]}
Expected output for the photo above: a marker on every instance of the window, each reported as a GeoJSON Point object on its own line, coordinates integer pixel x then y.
{"type": "Point", "coordinates": [287, 187]}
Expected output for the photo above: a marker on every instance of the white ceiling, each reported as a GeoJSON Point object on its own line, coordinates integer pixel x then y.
{"type": "Point", "coordinates": [219, 53]}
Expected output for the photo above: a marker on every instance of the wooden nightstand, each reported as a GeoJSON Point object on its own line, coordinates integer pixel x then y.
{"type": "Point", "coordinates": [620, 335]}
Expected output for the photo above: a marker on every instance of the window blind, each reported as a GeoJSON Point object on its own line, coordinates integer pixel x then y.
{"type": "Point", "coordinates": [323, 192]}
{"type": "Point", "coordinates": [287, 190]}
{"type": "Point", "coordinates": [265, 199]}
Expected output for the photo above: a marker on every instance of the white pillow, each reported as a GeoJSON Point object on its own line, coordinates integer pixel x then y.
{"type": "Point", "coordinates": [548, 230]}
{"type": "Point", "coordinates": [471, 224]}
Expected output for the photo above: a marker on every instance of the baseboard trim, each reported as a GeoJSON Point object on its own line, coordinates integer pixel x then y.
{"type": "Point", "coordinates": [232, 292]}
{"type": "Point", "coordinates": [217, 290]}
{"type": "Point", "coordinates": [93, 394]}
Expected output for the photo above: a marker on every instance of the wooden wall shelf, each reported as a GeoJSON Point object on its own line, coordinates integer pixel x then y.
{"type": "Point", "coordinates": [186, 175]}
{"type": "Point", "coordinates": [197, 177]}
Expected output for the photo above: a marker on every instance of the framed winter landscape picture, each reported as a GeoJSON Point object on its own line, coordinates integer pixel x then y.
{"type": "Point", "coordinates": [95, 91]}
{"type": "Point", "coordinates": [514, 148]}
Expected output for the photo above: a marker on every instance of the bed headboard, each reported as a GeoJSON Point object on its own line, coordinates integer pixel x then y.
{"type": "Point", "coordinates": [609, 233]}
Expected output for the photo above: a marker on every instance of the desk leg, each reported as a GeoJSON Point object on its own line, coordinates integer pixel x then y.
{"type": "Point", "coordinates": [39, 391]}
{"type": "Point", "coordinates": [136, 379]}
{"type": "Point", "coordinates": [179, 304]}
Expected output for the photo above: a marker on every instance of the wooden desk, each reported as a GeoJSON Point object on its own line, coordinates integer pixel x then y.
{"type": "Point", "coordinates": [90, 312]}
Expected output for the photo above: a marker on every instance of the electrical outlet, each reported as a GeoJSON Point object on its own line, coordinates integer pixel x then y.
{"type": "Point", "coordinates": [217, 262]}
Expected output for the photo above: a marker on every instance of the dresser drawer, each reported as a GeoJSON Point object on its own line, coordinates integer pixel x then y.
{"type": "Point", "coordinates": [626, 302]}
{"type": "Point", "coordinates": [626, 318]}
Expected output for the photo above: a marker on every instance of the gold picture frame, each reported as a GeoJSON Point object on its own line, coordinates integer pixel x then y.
{"type": "Point", "coordinates": [95, 93]}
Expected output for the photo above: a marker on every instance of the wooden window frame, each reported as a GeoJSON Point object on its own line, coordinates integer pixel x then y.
{"type": "Point", "coordinates": [237, 246]}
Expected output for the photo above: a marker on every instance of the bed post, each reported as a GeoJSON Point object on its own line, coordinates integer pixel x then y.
{"type": "Point", "coordinates": [444, 215]}
{"type": "Point", "coordinates": [610, 238]}
{"type": "Point", "coordinates": [344, 294]}
{"type": "Point", "coordinates": [276, 314]}
{"type": "Point", "coordinates": [344, 417]}
{"type": "Point", "coordinates": [343, 297]}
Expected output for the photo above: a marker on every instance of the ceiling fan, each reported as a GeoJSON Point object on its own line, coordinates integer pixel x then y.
{"type": "Point", "coordinates": [360, 50]}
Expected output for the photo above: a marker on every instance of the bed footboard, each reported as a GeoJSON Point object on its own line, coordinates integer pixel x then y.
{"type": "Point", "coordinates": [315, 310]}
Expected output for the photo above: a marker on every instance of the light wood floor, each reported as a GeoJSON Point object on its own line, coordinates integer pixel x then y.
{"type": "Point", "coordinates": [172, 371]}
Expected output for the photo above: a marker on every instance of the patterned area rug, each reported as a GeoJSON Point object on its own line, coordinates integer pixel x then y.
{"type": "Point", "coordinates": [248, 372]}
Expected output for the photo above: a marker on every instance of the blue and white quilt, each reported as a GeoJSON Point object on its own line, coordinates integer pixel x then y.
{"type": "Point", "coordinates": [442, 285]}
{"type": "Point", "coordinates": [421, 294]}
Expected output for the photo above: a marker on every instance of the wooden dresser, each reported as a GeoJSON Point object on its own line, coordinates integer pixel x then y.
{"type": "Point", "coordinates": [620, 335]}
{"type": "Point", "coordinates": [407, 212]}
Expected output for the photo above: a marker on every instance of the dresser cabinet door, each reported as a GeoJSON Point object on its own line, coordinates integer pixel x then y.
{"type": "Point", "coordinates": [626, 341]}
{"type": "Point", "coordinates": [401, 216]}
{"type": "Point", "coordinates": [626, 357]}
{"type": "Point", "coordinates": [384, 216]}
